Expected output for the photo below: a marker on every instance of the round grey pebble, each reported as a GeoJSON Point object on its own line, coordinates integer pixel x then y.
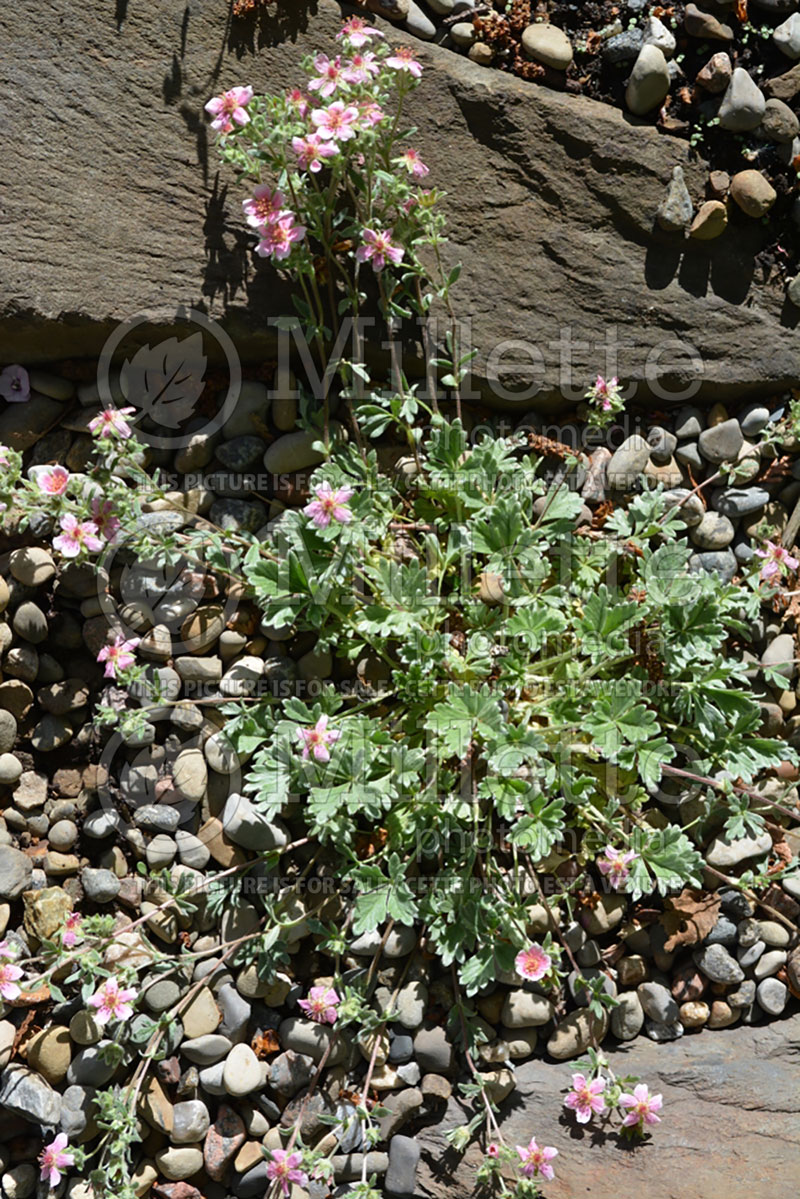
{"type": "Point", "coordinates": [100, 886]}
{"type": "Point", "coordinates": [773, 995]}
{"type": "Point", "coordinates": [657, 1003]}
{"type": "Point", "coordinates": [718, 965]}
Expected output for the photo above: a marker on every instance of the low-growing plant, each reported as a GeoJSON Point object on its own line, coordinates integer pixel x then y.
{"type": "Point", "coordinates": [518, 693]}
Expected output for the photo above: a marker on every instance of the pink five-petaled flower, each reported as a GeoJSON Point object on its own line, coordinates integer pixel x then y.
{"type": "Point", "coordinates": [321, 1005]}
{"type": "Point", "coordinates": [357, 32]}
{"type": "Point", "coordinates": [329, 71]}
{"type": "Point", "coordinates": [5, 450]}
{"type": "Point", "coordinates": [52, 480]}
{"type": "Point", "coordinates": [264, 205]}
{"type": "Point", "coordinates": [586, 1097]}
{"type": "Point", "coordinates": [361, 67]}
{"type": "Point", "coordinates": [10, 974]}
{"type": "Point", "coordinates": [642, 1107]}
{"type": "Point", "coordinates": [378, 249]}
{"type": "Point", "coordinates": [278, 238]}
{"type": "Point", "coordinates": [336, 121]}
{"type": "Point", "coordinates": [72, 926]}
{"type": "Point", "coordinates": [533, 962]}
{"type": "Point", "coordinates": [614, 864]}
{"type": "Point", "coordinates": [15, 386]}
{"type": "Point", "coordinates": [111, 420]}
{"type": "Point", "coordinates": [118, 656]}
{"type": "Point", "coordinates": [493, 1150]}
{"type": "Point", "coordinates": [108, 524]}
{"type": "Point", "coordinates": [284, 1167]}
{"type": "Point", "coordinates": [537, 1161]}
{"type": "Point", "coordinates": [112, 1002]}
{"type": "Point", "coordinates": [402, 59]}
{"type": "Point", "coordinates": [413, 164]}
{"type": "Point", "coordinates": [777, 559]}
{"type": "Point", "coordinates": [310, 151]}
{"type": "Point", "coordinates": [77, 535]}
{"type": "Point", "coordinates": [330, 504]}
{"type": "Point", "coordinates": [54, 1160]}
{"type": "Point", "coordinates": [230, 107]}
{"type": "Point", "coordinates": [318, 739]}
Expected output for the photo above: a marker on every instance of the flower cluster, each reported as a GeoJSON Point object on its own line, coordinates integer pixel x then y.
{"type": "Point", "coordinates": [605, 400]}
{"type": "Point", "coordinates": [340, 122]}
{"type": "Point", "coordinates": [590, 1097]}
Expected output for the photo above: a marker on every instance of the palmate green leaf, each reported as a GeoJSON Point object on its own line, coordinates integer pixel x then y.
{"type": "Point", "coordinates": [618, 719]}
{"type": "Point", "coordinates": [538, 831]}
{"type": "Point", "coordinates": [507, 795]}
{"type": "Point", "coordinates": [534, 625]}
{"type": "Point", "coordinates": [520, 745]}
{"type": "Point", "coordinates": [563, 505]}
{"type": "Point", "coordinates": [604, 620]}
{"type": "Point", "coordinates": [665, 574]}
{"type": "Point", "coordinates": [485, 965]}
{"type": "Point", "coordinates": [468, 715]}
{"type": "Point", "coordinates": [379, 898]}
{"type": "Point", "coordinates": [672, 860]}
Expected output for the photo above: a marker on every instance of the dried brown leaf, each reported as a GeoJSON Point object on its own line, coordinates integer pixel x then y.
{"type": "Point", "coordinates": [689, 917]}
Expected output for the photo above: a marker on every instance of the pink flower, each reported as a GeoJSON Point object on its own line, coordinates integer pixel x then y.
{"type": "Point", "coordinates": [357, 32]}
{"type": "Point", "coordinates": [603, 388]}
{"type": "Point", "coordinates": [533, 962]}
{"type": "Point", "coordinates": [76, 536]}
{"type": "Point", "coordinates": [108, 524]}
{"type": "Point", "coordinates": [413, 164]}
{"type": "Point", "coordinates": [777, 559]}
{"type": "Point", "coordinates": [9, 977]}
{"type": "Point", "coordinates": [284, 1167]}
{"type": "Point", "coordinates": [318, 739]}
{"type": "Point", "coordinates": [370, 114]}
{"type": "Point", "coordinates": [5, 450]}
{"type": "Point", "coordinates": [642, 1107]}
{"type": "Point", "coordinates": [361, 67]}
{"type": "Point", "coordinates": [278, 238]}
{"type": "Point", "coordinates": [299, 102]}
{"type": "Point", "coordinates": [330, 505]}
{"type": "Point", "coordinates": [378, 248]}
{"type": "Point", "coordinates": [493, 1150]}
{"type": "Point", "coordinates": [111, 420]}
{"type": "Point", "coordinates": [118, 656]}
{"type": "Point", "coordinates": [112, 1002]}
{"type": "Point", "coordinates": [15, 386]}
{"type": "Point", "coordinates": [230, 107]}
{"type": "Point", "coordinates": [615, 865]}
{"type": "Point", "coordinates": [52, 480]}
{"type": "Point", "coordinates": [310, 150]}
{"type": "Point", "coordinates": [321, 1005]}
{"type": "Point", "coordinates": [586, 1097]}
{"type": "Point", "coordinates": [336, 121]}
{"type": "Point", "coordinates": [264, 206]}
{"type": "Point", "coordinates": [402, 59]}
{"type": "Point", "coordinates": [72, 926]}
{"type": "Point", "coordinates": [54, 1161]}
{"type": "Point", "coordinates": [329, 72]}
{"type": "Point", "coordinates": [537, 1161]}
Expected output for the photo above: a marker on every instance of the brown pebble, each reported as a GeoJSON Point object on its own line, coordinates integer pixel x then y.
{"type": "Point", "coordinates": [718, 184]}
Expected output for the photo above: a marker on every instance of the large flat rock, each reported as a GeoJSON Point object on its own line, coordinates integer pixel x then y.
{"type": "Point", "coordinates": [112, 205]}
{"type": "Point", "coordinates": [730, 1127]}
